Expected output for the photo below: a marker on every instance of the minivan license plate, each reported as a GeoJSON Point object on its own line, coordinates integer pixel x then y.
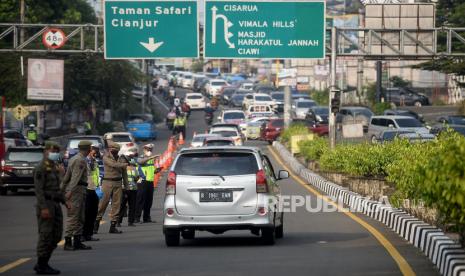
{"type": "Point", "coordinates": [216, 196]}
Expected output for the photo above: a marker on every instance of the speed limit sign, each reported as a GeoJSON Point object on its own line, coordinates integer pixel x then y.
{"type": "Point", "coordinates": [53, 38]}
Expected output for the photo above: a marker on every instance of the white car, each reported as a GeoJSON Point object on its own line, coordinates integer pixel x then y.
{"type": "Point", "coordinates": [180, 78]}
{"type": "Point", "coordinates": [222, 188]}
{"type": "Point", "coordinates": [187, 80]}
{"type": "Point", "coordinates": [124, 139]}
{"type": "Point", "coordinates": [247, 86]}
{"type": "Point", "coordinates": [258, 99]}
{"type": "Point", "coordinates": [228, 130]}
{"type": "Point", "coordinates": [260, 110]}
{"type": "Point", "coordinates": [197, 140]}
{"type": "Point", "coordinates": [214, 87]}
{"type": "Point", "coordinates": [233, 116]}
{"type": "Point", "coordinates": [301, 107]}
{"type": "Point", "coordinates": [195, 100]}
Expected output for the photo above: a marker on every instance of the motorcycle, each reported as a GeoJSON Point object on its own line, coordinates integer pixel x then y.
{"type": "Point", "coordinates": [208, 118]}
{"type": "Point", "coordinates": [170, 119]}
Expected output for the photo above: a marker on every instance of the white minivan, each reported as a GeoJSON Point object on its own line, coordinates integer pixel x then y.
{"type": "Point", "coordinates": [217, 189]}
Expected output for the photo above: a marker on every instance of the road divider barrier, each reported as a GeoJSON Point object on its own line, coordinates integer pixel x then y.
{"type": "Point", "coordinates": [444, 252]}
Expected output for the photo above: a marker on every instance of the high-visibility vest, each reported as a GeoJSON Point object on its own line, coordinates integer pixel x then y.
{"type": "Point", "coordinates": [132, 178]}
{"type": "Point", "coordinates": [32, 135]}
{"type": "Point", "coordinates": [149, 170]}
{"type": "Point", "coordinates": [95, 175]}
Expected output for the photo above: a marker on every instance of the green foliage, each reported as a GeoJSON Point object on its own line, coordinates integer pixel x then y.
{"type": "Point", "coordinates": [397, 81]}
{"type": "Point", "coordinates": [371, 93]}
{"type": "Point", "coordinates": [313, 149]}
{"type": "Point", "coordinates": [321, 97]}
{"type": "Point", "coordinates": [444, 181]}
{"type": "Point", "coordinates": [197, 66]}
{"type": "Point", "coordinates": [294, 129]}
{"type": "Point", "coordinates": [379, 108]}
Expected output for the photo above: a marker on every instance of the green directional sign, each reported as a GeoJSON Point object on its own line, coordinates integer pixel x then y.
{"type": "Point", "coordinates": [264, 29]}
{"type": "Point", "coordinates": [150, 29]}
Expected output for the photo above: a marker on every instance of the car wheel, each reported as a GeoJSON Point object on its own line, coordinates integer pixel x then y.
{"type": "Point", "coordinates": [3, 191]}
{"type": "Point", "coordinates": [268, 236]}
{"type": "Point", "coordinates": [417, 104]}
{"type": "Point", "coordinates": [270, 142]}
{"type": "Point", "coordinates": [188, 234]}
{"type": "Point", "coordinates": [172, 237]}
{"type": "Point", "coordinates": [279, 232]}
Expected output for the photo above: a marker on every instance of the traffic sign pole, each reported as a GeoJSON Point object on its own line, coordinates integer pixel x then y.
{"type": "Point", "coordinates": [332, 115]}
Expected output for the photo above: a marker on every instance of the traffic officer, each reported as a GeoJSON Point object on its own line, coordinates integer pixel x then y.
{"type": "Point", "coordinates": [32, 134]}
{"type": "Point", "coordinates": [93, 180]}
{"type": "Point", "coordinates": [115, 173]}
{"type": "Point", "coordinates": [180, 125]}
{"type": "Point", "coordinates": [145, 188]}
{"type": "Point", "coordinates": [47, 179]}
{"type": "Point", "coordinates": [130, 193]}
{"type": "Point", "coordinates": [75, 186]}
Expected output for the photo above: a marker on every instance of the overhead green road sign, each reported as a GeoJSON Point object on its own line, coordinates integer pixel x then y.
{"type": "Point", "coordinates": [150, 29]}
{"type": "Point", "coordinates": [264, 29]}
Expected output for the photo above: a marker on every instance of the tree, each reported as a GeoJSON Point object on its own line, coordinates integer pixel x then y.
{"type": "Point", "coordinates": [397, 81]}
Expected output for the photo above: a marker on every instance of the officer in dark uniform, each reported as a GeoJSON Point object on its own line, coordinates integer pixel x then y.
{"type": "Point", "coordinates": [47, 179]}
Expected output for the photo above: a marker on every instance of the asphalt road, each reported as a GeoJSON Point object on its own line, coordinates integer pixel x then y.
{"type": "Point", "coordinates": [318, 243]}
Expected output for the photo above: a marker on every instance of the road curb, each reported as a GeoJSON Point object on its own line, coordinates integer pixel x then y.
{"type": "Point", "coordinates": [445, 253]}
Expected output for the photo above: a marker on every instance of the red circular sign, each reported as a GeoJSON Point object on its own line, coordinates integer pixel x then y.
{"type": "Point", "coordinates": [53, 38]}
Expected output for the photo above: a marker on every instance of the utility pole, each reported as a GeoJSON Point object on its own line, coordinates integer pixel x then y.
{"type": "Point", "coordinates": [332, 115]}
{"type": "Point", "coordinates": [22, 11]}
{"type": "Point", "coordinates": [287, 106]}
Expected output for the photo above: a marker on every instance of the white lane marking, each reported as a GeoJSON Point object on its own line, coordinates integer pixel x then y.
{"type": "Point", "coordinates": [162, 103]}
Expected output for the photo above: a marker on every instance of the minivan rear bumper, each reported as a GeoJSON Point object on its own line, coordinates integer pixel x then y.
{"type": "Point", "coordinates": [226, 222]}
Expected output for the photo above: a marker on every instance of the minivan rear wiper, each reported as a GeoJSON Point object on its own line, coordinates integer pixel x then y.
{"type": "Point", "coordinates": [220, 176]}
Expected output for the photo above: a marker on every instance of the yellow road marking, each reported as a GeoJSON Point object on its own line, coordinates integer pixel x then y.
{"type": "Point", "coordinates": [13, 264]}
{"type": "Point", "coordinates": [403, 265]}
{"type": "Point", "coordinates": [62, 242]}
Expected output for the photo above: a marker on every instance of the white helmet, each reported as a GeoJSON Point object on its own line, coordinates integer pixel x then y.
{"type": "Point", "coordinates": [209, 105]}
{"type": "Point", "coordinates": [32, 126]}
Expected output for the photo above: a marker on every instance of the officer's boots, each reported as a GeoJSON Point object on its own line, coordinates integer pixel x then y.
{"type": "Point", "coordinates": [78, 245]}
{"type": "Point", "coordinates": [96, 226]}
{"type": "Point", "coordinates": [113, 229]}
{"type": "Point", "coordinates": [42, 267]}
{"type": "Point", "coordinates": [68, 244]}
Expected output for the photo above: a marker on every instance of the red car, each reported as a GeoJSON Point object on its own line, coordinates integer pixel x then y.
{"type": "Point", "coordinates": [317, 128]}
{"type": "Point", "coordinates": [271, 130]}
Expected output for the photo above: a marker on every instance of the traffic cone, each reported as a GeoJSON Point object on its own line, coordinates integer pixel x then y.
{"type": "Point", "coordinates": [181, 139]}
{"type": "Point", "coordinates": [156, 178]}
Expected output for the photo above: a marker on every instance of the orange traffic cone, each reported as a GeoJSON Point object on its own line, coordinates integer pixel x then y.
{"type": "Point", "coordinates": [156, 179]}
{"type": "Point", "coordinates": [181, 139]}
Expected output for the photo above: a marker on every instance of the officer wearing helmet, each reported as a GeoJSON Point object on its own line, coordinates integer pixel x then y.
{"type": "Point", "coordinates": [32, 134]}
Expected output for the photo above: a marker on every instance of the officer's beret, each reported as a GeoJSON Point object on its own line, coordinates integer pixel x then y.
{"type": "Point", "coordinates": [84, 144]}
{"type": "Point", "coordinates": [113, 145]}
{"type": "Point", "coordinates": [52, 145]}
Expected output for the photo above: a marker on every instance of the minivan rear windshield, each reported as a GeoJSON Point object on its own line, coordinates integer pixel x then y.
{"type": "Point", "coordinates": [225, 133]}
{"type": "Point", "coordinates": [121, 138]}
{"type": "Point", "coordinates": [25, 156]}
{"type": "Point", "coordinates": [217, 163]}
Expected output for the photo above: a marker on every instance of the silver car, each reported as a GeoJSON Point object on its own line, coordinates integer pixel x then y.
{"type": "Point", "coordinates": [217, 189]}
{"type": "Point", "coordinates": [378, 124]}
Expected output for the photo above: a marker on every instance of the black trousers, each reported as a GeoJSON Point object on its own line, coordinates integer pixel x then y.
{"type": "Point", "coordinates": [90, 213]}
{"type": "Point", "coordinates": [128, 203]}
{"type": "Point", "coordinates": [144, 200]}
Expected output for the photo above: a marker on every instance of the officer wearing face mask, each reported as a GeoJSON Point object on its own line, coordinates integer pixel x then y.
{"type": "Point", "coordinates": [93, 179]}
{"type": "Point", "coordinates": [115, 174]}
{"type": "Point", "coordinates": [47, 179]}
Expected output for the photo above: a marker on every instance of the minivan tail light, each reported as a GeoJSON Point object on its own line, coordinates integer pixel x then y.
{"type": "Point", "coordinates": [171, 183]}
{"type": "Point", "coordinates": [261, 183]}
{"type": "Point", "coordinates": [130, 144]}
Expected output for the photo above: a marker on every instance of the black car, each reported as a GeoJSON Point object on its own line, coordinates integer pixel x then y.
{"type": "Point", "coordinates": [73, 142]}
{"type": "Point", "coordinates": [237, 100]}
{"type": "Point", "coordinates": [452, 120]}
{"type": "Point", "coordinates": [198, 83]}
{"type": "Point", "coordinates": [438, 129]}
{"type": "Point", "coordinates": [405, 96]}
{"type": "Point", "coordinates": [17, 168]}
{"type": "Point", "coordinates": [278, 97]}
{"type": "Point", "coordinates": [408, 113]}
{"type": "Point", "coordinates": [227, 94]}
{"type": "Point", "coordinates": [318, 115]}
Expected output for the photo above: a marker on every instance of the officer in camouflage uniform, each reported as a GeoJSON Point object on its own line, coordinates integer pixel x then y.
{"type": "Point", "coordinates": [47, 179]}
{"type": "Point", "coordinates": [75, 186]}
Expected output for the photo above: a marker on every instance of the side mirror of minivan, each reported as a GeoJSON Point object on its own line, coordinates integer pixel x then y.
{"type": "Point", "coordinates": [282, 174]}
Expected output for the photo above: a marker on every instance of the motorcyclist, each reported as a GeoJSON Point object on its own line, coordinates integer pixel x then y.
{"type": "Point", "coordinates": [186, 109]}
{"type": "Point", "coordinates": [209, 113]}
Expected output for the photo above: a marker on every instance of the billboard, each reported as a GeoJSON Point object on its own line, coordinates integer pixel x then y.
{"type": "Point", "coordinates": [45, 79]}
